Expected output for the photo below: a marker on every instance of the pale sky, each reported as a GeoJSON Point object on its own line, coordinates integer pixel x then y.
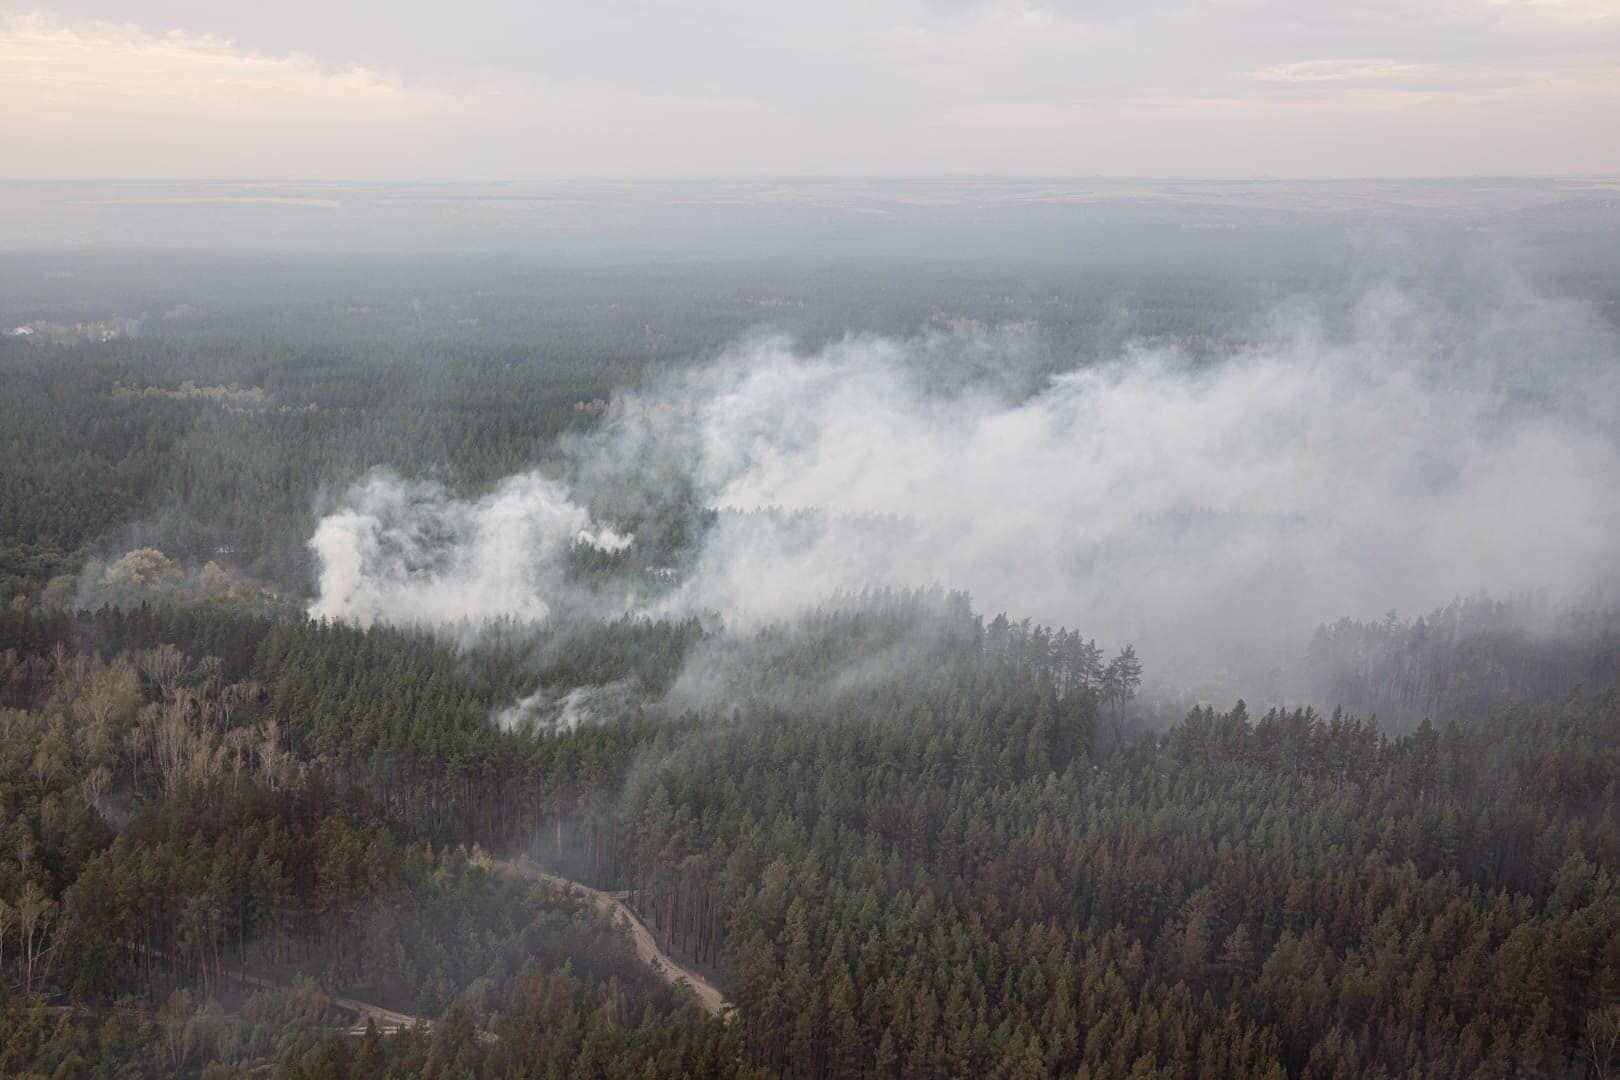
{"type": "Point", "coordinates": [503, 89]}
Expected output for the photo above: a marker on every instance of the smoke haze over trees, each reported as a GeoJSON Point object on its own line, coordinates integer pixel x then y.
{"type": "Point", "coordinates": [983, 630]}
{"type": "Point", "coordinates": [1403, 449]}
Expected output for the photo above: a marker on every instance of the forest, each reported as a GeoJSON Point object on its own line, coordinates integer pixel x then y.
{"type": "Point", "coordinates": [906, 833]}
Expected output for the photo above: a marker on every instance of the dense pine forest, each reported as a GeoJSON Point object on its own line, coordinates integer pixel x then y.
{"type": "Point", "coordinates": [906, 835]}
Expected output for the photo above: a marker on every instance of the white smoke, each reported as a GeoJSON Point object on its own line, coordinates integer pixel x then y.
{"type": "Point", "coordinates": [1388, 455]}
{"type": "Point", "coordinates": [1397, 459]}
{"type": "Point", "coordinates": [408, 552]}
{"type": "Point", "coordinates": [550, 710]}
{"type": "Point", "coordinates": [604, 539]}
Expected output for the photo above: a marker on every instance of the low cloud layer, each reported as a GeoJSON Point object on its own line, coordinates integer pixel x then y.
{"type": "Point", "coordinates": [1391, 453]}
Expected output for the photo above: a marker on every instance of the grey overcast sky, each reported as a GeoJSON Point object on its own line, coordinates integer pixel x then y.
{"type": "Point", "coordinates": [492, 89]}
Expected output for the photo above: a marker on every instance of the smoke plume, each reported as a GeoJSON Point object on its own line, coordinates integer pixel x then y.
{"type": "Point", "coordinates": [1387, 453]}
{"type": "Point", "coordinates": [409, 552]}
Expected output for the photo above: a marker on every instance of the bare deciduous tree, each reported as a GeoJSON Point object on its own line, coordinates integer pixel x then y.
{"type": "Point", "coordinates": [95, 785]}
{"type": "Point", "coordinates": [175, 1018]}
{"type": "Point", "coordinates": [1603, 1040]}
{"type": "Point", "coordinates": [111, 692]}
{"type": "Point", "coordinates": [35, 913]}
{"type": "Point", "coordinates": [270, 755]}
{"type": "Point", "coordinates": [233, 697]}
{"type": "Point", "coordinates": [8, 916]}
{"type": "Point", "coordinates": [210, 671]}
{"type": "Point", "coordinates": [53, 750]}
{"type": "Point", "coordinates": [163, 665]}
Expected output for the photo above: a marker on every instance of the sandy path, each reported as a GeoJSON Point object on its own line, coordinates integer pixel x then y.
{"type": "Point", "coordinates": [708, 995]}
{"type": "Point", "coordinates": [388, 1021]}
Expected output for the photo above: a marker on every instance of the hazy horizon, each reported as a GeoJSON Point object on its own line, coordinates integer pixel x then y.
{"type": "Point", "coordinates": [685, 88]}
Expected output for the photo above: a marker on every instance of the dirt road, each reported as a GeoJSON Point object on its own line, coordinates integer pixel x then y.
{"type": "Point", "coordinates": [388, 1021]}
{"type": "Point", "coordinates": [708, 995]}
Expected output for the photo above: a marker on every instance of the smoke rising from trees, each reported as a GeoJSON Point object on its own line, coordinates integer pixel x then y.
{"type": "Point", "coordinates": [409, 552]}
{"type": "Point", "coordinates": [1389, 452]}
